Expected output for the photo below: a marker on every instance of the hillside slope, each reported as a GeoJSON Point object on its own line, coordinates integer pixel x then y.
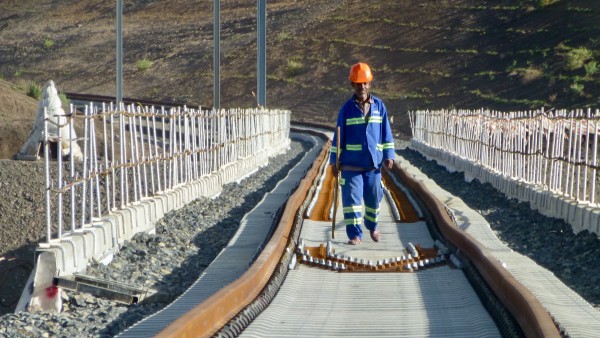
{"type": "Point", "coordinates": [502, 54]}
{"type": "Point", "coordinates": [17, 115]}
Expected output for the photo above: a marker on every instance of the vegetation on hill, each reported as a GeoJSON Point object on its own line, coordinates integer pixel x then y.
{"type": "Point", "coordinates": [504, 54]}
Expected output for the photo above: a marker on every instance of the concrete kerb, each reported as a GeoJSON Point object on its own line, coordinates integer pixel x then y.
{"type": "Point", "coordinates": [140, 217]}
{"type": "Point", "coordinates": [548, 197]}
{"type": "Point", "coordinates": [106, 235]}
{"type": "Point", "coordinates": [55, 250]}
{"type": "Point", "coordinates": [66, 252]}
{"type": "Point", "coordinates": [580, 216]}
{"type": "Point", "coordinates": [126, 224]}
{"type": "Point", "coordinates": [177, 198]}
{"type": "Point", "coordinates": [88, 240]}
{"type": "Point", "coordinates": [535, 195]}
{"type": "Point", "coordinates": [594, 219]}
{"type": "Point", "coordinates": [156, 208]}
{"type": "Point", "coordinates": [75, 245]}
{"type": "Point", "coordinates": [182, 194]}
{"type": "Point", "coordinates": [553, 206]}
{"type": "Point", "coordinates": [571, 210]}
{"type": "Point", "coordinates": [511, 187]}
{"type": "Point", "coordinates": [187, 194]}
{"type": "Point", "coordinates": [107, 241]}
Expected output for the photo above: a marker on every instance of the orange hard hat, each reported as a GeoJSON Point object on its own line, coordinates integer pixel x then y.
{"type": "Point", "coordinates": [360, 72]}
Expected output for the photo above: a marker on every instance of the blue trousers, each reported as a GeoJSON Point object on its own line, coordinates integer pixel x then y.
{"type": "Point", "coordinates": [356, 187]}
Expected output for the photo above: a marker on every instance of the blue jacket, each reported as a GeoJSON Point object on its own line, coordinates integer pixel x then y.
{"type": "Point", "coordinates": [363, 144]}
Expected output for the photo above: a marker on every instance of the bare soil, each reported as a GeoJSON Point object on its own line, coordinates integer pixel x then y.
{"type": "Point", "coordinates": [17, 114]}
{"type": "Point", "coordinates": [504, 54]}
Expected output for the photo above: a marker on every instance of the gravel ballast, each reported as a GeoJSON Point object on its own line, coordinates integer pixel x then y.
{"type": "Point", "coordinates": [550, 242]}
{"type": "Point", "coordinates": [185, 243]}
{"type": "Point", "coordinates": [187, 240]}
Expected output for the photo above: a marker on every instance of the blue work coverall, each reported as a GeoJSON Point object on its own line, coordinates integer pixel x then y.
{"type": "Point", "coordinates": [365, 142]}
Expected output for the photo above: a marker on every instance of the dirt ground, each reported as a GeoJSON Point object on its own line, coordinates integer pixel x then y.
{"type": "Point", "coordinates": [21, 204]}
{"type": "Point", "coordinates": [17, 114]}
{"type": "Point", "coordinates": [502, 54]}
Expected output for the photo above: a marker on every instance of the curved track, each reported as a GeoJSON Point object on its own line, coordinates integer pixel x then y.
{"type": "Point", "coordinates": [376, 293]}
{"type": "Point", "coordinates": [374, 289]}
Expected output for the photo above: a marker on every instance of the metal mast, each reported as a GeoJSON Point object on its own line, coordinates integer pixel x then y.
{"type": "Point", "coordinates": [119, 95]}
{"type": "Point", "coordinates": [217, 55]}
{"type": "Point", "coordinates": [261, 88]}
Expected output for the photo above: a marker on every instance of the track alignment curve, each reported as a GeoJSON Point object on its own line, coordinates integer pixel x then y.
{"type": "Point", "coordinates": [209, 317]}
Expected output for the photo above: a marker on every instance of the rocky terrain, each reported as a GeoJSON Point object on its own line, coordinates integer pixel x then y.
{"type": "Point", "coordinates": [503, 54]}
{"type": "Point", "coordinates": [188, 239]}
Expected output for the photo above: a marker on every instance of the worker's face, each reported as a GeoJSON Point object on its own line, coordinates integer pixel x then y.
{"type": "Point", "coordinates": [361, 90]}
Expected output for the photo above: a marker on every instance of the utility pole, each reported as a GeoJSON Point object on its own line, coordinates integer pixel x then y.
{"type": "Point", "coordinates": [261, 58]}
{"type": "Point", "coordinates": [119, 95]}
{"type": "Point", "coordinates": [217, 55]}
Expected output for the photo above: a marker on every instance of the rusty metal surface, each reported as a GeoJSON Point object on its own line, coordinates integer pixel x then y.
{"type": "Point", "coordinates": [209, 316]}
{"type": "Point", "coordinates": [322, 206]}
{"type": "Point", "coordinates": [206, 318]}
{"type": "Point", "coordinates": [533, 318]}
{"type": "Point", "coordinates": [377, 294]}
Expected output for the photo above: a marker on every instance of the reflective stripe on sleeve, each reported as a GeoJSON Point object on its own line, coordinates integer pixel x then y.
{"type": "Point", "coordinates": [375, 119]}
{"type": "Point", "coordinates": [354, 147]}
{"type": "Point", "coordinates": [356, 120]}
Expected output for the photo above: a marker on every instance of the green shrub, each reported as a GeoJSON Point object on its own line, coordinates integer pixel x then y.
{"type": "Point", "coordinates": [293, 68]}
{"type": "Point", "coordinates": [33, 90]}
{"type": "Point", "coordinates": [143, 64]}
{"type": "Point", "coordinates": [531, 73]}
{"type": "Point", "coordinates": [591, 68]}
{"type": "Point", "coordinates": [512, 67]}
{"type": "Point", "coordinates": [545, 3]}
{"type": "Point", "coordinates": [577, 57]}
{"type": "Point", "coordinates": [577, 88]}
{"type": "Point", "coordinates": [48, 43]}
{"type": "Point", "coordinates": [580, 9]}
{"type": "Point", "coordinates": [64, 102]}
{"type": "Point", "coordinates": [283, 36]}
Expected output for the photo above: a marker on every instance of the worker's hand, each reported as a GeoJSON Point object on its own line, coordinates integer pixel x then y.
{"type": "Point", "coordinates": [334, 170]}
{"type": "Point", "coordinates": [388, 163]}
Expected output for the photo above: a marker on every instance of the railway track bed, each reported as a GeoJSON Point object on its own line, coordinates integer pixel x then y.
{"type": "Point", "coordinates": [430, 301]}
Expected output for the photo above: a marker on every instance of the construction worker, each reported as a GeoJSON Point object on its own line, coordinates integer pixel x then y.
{"type": "Point", "coordinates": [366, 144]}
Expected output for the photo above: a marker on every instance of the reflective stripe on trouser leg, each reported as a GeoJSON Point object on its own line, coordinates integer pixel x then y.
{"type": "Point", "coordinates": [352, 191]}
{"type": "Point", "coordinates": [372, 195]}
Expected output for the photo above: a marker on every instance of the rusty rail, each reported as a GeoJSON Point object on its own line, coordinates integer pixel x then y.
{"type": "Point", "coordinates": [208, 317]}
{"type": "Point", "coordinates": [533, 318]}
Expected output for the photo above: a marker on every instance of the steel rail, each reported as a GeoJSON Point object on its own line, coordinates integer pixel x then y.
{"type": "Point", "coordinates": [533, 318]}
{"type": "Point", "coordinates": [208, 317]}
